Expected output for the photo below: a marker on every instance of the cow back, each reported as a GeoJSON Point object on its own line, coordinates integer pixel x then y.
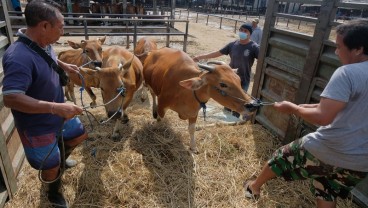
{"type": "Point", "coordinates": [166, 67]}
{"type": "Point", "coordinates": [144, 46]}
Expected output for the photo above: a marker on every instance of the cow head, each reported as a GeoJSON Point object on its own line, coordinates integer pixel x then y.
{"type": "Point", "coordinates": [144, 46]}
{"type": "Point", "coordinates": [113, 85]}
{"type": "Point", "coordinates": [223, 85]}
{"type": "Point", "coordinates": [92, 49]}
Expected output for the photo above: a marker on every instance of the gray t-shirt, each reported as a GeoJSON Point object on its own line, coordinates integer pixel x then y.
{"type": "Point", "coordinates": [344, 142]}
{"type": "Point", "coordinates": [242, 58]}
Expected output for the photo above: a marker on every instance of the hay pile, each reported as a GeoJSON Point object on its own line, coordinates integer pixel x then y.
{"type": "Point", "coordinates": [150, 166]}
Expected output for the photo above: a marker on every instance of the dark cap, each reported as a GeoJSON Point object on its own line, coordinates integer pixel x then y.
{"type": "Point", "coordinates": [247, 27]}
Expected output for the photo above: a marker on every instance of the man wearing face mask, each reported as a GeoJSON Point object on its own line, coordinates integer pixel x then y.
{"type": "Point", "coordinates": [242, 53]}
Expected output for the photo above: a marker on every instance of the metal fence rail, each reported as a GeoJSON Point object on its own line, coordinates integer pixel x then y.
{"type": "Point", "coordinates": [119, 27]}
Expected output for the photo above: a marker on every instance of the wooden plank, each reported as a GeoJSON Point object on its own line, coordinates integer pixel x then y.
{"type": "Point", "coordinates": [7, 126]}
{"type": "Point", "coordinates": [13, 144]}
{"type": "Point", "coordinates": [7, 21]}
{"type": "Point", "coordinates": [271, 20]}
{"type": "Point", "coordinates": [3, 197]}
{"type": "Point", "coordinates": [4, 41]}
{"type": "Point", "coordinates": [6, 166]}
{"type": "Point", "coordinates": [4, 113]}
{"type": "Point", "coordinates": [18, 155]}
{"type": "Point", "coordinates": [321, 33]}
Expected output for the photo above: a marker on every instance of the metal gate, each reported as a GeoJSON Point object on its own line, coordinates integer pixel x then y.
{"type": "Point", "coordinates": [295, 66]}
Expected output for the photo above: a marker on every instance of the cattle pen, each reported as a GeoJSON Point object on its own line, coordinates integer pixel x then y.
{"type": "Point", "coordinates": [150, 165]}
{"type": "Point", "coordinates": [116, 25]}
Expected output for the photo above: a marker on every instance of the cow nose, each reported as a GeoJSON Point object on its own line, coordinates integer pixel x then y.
{"type": "Point", "coordinates": [115, 114]}
{"type": "Point", "coordinates": [97, 63]}
{"type": "Point", "coordinates": [251, 107]}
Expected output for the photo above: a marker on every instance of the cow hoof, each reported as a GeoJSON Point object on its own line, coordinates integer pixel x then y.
{"type": "Point", "coordinates": [155, 115]}
{"type": "Point", "coordinates": [116, 137]}
{"type": "Point", "coordinates": [93, 104]}
{"type": "Point", "coordinates": [125, 120]}
{"type": "Point", "coordinates": [194, 151]}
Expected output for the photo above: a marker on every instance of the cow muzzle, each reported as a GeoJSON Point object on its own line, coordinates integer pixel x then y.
{"type": "Point", "coordinates": [253, 106]}
{"type": "Point", "coordinates": [97, 63]}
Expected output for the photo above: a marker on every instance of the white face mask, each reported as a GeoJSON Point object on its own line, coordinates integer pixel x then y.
{"type": "Point", "coordinates": [243, 35]}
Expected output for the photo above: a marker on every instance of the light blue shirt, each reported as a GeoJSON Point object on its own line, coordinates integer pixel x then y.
{"type": "Point", "coordinates": [257, 35]}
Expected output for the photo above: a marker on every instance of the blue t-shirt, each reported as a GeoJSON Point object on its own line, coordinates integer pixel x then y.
{"type": "Point", "coordinates": [27, 72]}
{"type": "Point", "coordinates": [242, 58]}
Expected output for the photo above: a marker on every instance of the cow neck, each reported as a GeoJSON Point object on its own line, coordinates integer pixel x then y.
{"type": "Point", "coordinates": [201, 104]}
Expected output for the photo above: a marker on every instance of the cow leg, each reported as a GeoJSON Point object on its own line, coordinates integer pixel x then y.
{"type": "Point", "coordinates": [69, 92]}
{"type": "Point", "coordinates": [154, 103]}
{"type": "Point", "coordinates": [92, 95]}
{"type": "Point", "coordinates": [115, 132]}
{"type": "Point", "coordinates": [191, 129]}
{"type": "Point", "coordinates": [144, 90]}
{"type": "Point", "coordinates": [127, 100]}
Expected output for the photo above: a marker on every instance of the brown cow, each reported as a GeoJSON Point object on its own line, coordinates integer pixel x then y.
{"type": "Point", "coordinates": [180, 86]}
{"type": "Point", "coordinates": [144, 46]}
{"type": "Point", "coordinates": [82, 53]}
{"type": "Point", "coordinates": [130, 78]}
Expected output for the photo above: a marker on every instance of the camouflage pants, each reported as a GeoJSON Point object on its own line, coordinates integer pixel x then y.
{"type": "Point", "coordinates": [293, 162]}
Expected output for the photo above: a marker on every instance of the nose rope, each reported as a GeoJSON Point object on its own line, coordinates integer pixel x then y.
{"type": "Point", "coordinates": [202, 105]}
{"type": "Point", "coordinates": [121, 91]}
{"type": "Point", "coordinates": [255, 104]}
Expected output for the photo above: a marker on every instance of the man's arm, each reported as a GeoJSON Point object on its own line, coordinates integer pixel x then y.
{"type": "Point", "coordinates": [26, 104]}
{"type": "Point", "coordinates": [214, 54]}
{"type": "Point", "coordinates": [322, 113]}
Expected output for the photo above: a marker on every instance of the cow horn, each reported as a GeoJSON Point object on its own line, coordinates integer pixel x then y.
{"type": "Point", "coordinates": [120, 66]}
{"type": "Point", "coordinates": [216, 62]}
{"type": "Point", "coordinates": [97, 68]}
{"type": "Point", "coordinates": [206, 67]}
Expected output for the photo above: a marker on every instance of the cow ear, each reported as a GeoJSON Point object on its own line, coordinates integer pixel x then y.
{"type": "Point", "coordinates": [127, 64]}
{"type": "Point", "coordinates": [73, 44]}
{"type": "Point", "coordinates": [102, 40]}
{"type": "Point", "coordinates": [193, 83]}
{"type": "Point", "coordinates": [83, 44]}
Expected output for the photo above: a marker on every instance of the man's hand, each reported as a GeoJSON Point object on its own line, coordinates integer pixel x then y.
{"type": "Point", "coordinates": [286, 107]}
{"type": "Point", "coordinates": [66, 110]}
{"type": "Point", "coordinates": [68, 68]}
{"type": "Point", "coordinates": [71, 68]}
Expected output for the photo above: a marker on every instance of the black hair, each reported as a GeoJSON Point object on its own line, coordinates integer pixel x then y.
{"type": "Point", "coordinates": [247, 27]}
{"type": "Point", "coordinates": [37, 11]}
{"type": "Point", "coordinates": [354, 33]}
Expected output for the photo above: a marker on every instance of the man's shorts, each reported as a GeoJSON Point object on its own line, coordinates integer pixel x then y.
{"type": "Point", "coordinates": [42, 151]}
{"type": "Point", "coordinates": [293, 162]}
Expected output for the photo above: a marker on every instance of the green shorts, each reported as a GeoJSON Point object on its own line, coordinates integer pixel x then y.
{"type": "Point", "coordinates": [293, 162]}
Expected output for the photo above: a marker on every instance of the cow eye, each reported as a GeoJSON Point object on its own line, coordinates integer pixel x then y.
{"type": "Point", "coordinates": [223, 85]}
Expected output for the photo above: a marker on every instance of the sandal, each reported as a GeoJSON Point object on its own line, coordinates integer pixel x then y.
{"type": "Point", "coordinates": [248, 192]}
